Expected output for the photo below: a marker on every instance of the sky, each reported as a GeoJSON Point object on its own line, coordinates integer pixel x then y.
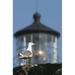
{"type": "Point", "coordinates": [51, 16]}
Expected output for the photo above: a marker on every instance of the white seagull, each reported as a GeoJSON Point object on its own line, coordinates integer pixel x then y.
{"type": "Point", "coordinates": [28, 52]}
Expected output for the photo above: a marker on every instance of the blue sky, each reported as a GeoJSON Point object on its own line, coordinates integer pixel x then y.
{"type": "Point", "coordinates": [51, 16]}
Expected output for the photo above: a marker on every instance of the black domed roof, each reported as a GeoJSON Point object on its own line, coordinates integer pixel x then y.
{"type": "Point", "coordinates": [37, 26]}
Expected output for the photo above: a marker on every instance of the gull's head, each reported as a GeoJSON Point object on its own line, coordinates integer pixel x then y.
{"type": "Point", "coordinates": [31, 43]}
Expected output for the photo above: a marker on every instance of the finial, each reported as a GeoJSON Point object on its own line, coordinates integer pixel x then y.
{"type": "Point", "coordinates": [36, 17]}
{"type": "Point", "coordinates": [36, 5]}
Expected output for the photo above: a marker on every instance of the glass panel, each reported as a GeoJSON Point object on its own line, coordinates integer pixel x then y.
{"type": "Point", "coordinates": [21, 46]}
{"type": "Point", "coordinates": [35, 47]}
{"type": "Point", "coordinates": [19, 43]}
{"type": "Point", "coordinates": [44, 41]}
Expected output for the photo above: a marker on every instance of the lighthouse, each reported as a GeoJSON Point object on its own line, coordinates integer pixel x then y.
{"type": "Point", "coordinates": [45, 39]}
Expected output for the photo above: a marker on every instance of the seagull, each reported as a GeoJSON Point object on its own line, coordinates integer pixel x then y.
{"type": "Point", "coordinates": [28, 52]}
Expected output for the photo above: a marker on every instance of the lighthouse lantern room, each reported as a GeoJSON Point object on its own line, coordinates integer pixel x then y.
{"type": "Point", "coordinates": [36, 43]}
